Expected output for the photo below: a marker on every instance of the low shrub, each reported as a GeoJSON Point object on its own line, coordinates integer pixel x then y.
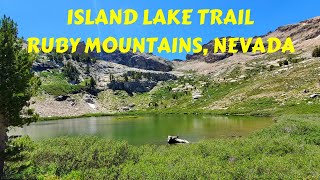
{"type": "Point", "coordinates": [316, 52]}
{"type": "Point", "coordinates": [62, 88]}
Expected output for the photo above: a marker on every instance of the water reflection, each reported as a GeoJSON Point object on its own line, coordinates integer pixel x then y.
{"type": "Point", "coordinates": [146, 129]}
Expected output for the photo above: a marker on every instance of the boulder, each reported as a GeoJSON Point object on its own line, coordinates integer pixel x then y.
{"type": "Point", "coordinates": [313, 96]}
{"type": "Point", "coordinates": [92, 106]}
{"type": "Point", "coordinates": [126, 108]}
{"type": "Point", "coordinates": [196, 95]}
{"type": "Point", "coordinates": [88, 99]}
{"type": "Point", "coordinates": [132, 105]}
{"type": "Point", "coordinates": [305, 91]}
{"type": "Point", "coordinates": [61, 98]}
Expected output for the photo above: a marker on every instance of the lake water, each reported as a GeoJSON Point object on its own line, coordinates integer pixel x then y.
{"type": "Point", "coordinates": [147, 129]}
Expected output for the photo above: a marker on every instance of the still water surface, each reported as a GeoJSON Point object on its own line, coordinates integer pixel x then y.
{"type": "Point", "coordinates": [147, 129]}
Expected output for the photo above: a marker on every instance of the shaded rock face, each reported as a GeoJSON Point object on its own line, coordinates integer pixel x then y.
{"type": "Point", "coordinates": [153, 76]}
{"type": "Point", "coordinates": [133, 87]}
{"type": "Point", "coordinates": [145, 83]}
{"type": "Point", "coordinates": [43, 66]}
{"type": "Point", "coordinates": [213, 57]}
{"type": "Point", "coordinates": [61, 98]}
{"type": "Point", "coordinates": [210, 58]}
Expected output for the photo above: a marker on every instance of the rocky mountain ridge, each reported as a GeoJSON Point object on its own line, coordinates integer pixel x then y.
{"type": "Point", "coordinates": [305, 35]}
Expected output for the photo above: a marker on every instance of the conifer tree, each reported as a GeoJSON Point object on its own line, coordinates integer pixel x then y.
{"type": "Point", "coordinates": [17, 82]}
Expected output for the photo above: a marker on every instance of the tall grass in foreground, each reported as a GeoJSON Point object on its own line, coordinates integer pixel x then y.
{"type": "Point", "coordinates": [290, 149]}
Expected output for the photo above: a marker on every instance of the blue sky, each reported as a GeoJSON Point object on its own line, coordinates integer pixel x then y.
{"type": "Point", "coordinates": [48, 18]}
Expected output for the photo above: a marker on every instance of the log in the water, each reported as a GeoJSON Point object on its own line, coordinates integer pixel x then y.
{"type": "Point", "coordinates": [176, 140]}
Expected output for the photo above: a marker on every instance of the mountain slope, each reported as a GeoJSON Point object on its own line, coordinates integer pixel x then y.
{"type": "Point", "coordinates": [255, 84]}
{"type": "Point", "coordinates": [305, 36]}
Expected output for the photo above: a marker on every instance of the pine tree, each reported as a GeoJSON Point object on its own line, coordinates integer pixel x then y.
{"type": "Point", "coordinates": [17, 82]}
{"type": "Point", "coordinates": [71, 72]}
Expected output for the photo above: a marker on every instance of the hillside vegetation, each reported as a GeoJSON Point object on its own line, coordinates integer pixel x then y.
{"type": "Point", "coordinates": [251, 88]}
{"type": "Point", "coordinates": [262, 90]}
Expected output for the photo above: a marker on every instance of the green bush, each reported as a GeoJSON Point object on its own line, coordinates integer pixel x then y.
{"type": "Point", "coordinates": [55, 83]}
{"type": "Point", "coordinates": [58, 89]}
{"type": "Point", "coordinates": [316, 52]}
{"type": "Point", "coordinates": [17, 158]}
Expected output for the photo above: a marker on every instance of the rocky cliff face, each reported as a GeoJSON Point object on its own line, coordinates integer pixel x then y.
{"type": "Point", "coordinates": [140, 81]}
{"type": "Point", "coordinates": [114, 76]}
{"type": "Point", "coordinates": [130, 59]}
{"type": "Point", "coordinates": [137, 60]}
{"type": "Point", "coordinates": [133, 87]}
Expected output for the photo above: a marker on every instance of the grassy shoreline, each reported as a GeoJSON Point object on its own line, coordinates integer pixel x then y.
{"type": "Point", "coordinates": [137, 113]}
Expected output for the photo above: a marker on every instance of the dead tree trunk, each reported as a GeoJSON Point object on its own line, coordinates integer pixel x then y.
{"type": "Point", "coordinates": [3, 142]}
